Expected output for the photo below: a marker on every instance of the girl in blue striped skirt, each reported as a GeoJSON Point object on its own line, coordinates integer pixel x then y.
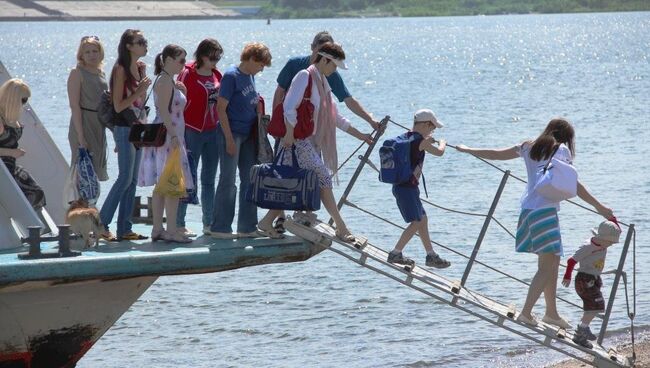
{"type": "Point", "coordinates": [538, 230]}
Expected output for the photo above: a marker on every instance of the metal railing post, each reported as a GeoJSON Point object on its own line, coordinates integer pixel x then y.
{"type": "Point", "coordinates": [486, 223]}
{"type": "Point", "coordinates": [617, 278]}
{"type": "Point", "coordinates": [382, 128]}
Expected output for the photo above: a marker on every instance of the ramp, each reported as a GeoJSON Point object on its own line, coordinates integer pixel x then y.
{"type": "Point", "coordinates": [451, 292]}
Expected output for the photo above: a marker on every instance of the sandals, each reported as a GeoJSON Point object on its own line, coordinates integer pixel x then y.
{"type": "Point", "coordinates": [346, 237]}
{"type": "Point", "coordinates": [132, 236]}
{"type": "Point", "coordinates": [187, 232]}
{"type": "Point", "coordinates": [271, 233]}
{"type": "Point", "coordinates": [279, 225]}
{"type": "Point", "coordinates": [157, 235]}
{"type": "Point", "coordinates": [177, 238]}
{"type": "Point", "coordinates": [108, 236]}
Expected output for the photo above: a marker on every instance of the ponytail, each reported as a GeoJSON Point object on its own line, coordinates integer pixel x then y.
{"type": "Point", "coordinates": [158, 64]}
{"type": "Point", "coordinates": [172, 51]}
{"type": "Point", "coordinates": [558, 131]}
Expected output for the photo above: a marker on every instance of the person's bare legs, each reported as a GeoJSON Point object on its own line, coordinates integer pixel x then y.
{"type": "Point", "coordinates": [587, 317]}
{"type": "Point", "coordinates": [545, 266]}
{"type": "Point", "coordinates": [424, 234]}
{"type": "Point", "coordinates": [171, 209]}
{"type": "Point", "coordinates": [266, 223]}
{"type": "Point", "coordinates": [406, 236]}
{"type": "Point", "coordinates": [550, 289]}
{"type": "Point", "coordinates": [157, 207]}
{"type": "Point", "coordinates": [327, 197]}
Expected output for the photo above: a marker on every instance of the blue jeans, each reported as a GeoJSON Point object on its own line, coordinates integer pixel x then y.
{"type": "Point", "coordinates": [202, 144]}
{"type": "Point", "coordinates": [224, 199]}
{"type": "Point", "coordinates": [123, 190]}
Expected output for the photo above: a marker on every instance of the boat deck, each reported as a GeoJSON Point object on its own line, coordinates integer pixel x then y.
{"type": "Point", "coordinates": [144, 258]}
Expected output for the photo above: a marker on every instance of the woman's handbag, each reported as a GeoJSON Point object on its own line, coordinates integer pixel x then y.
{"type": "Point", "coordinates": [150, 135]}
{"type": "Point", "coordinates": [264, 150]}
{"type": "Point", "coordinates": [305, 118]}
{"type": "Point", "coordinates": [276, 186]}
{"type": "Point", "coordinates": [105, 111]}
{"type": "Point", "coordinates": [557, 180]}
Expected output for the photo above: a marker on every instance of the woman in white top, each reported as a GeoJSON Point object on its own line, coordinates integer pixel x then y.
{"type": "Point", "coordinates": [317, 152]}
{"type": "Point", "coordinates": [538, 230]}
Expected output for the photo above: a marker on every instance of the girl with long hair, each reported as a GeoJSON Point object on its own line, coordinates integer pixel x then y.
{"type": "Point", "coordinates": [129, 84]}
{"type": "Point", "coordinates": [538, 230]}
{"type": "Point", "coordinates": [169, 99]}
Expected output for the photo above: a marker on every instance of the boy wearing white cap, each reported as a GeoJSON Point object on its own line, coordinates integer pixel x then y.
{"type": "Point", "coordinates": [407, 194]}
{"type": "Point", "coordinates": [591, 256]}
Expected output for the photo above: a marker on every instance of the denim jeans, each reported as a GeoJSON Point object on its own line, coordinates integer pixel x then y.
{"type": "Point", "coordinates": [224, 199]}
{"type": "Point", "coordinates": [123, 190]}
{"type": "Point", "coordinates": [202, 145]}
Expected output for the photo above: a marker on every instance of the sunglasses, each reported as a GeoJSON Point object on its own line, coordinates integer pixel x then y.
{"type": "Point", "coordinates": [84, 38]}
{"type": "Point", "coordinates": [214, 58]}
{"type": "Point", "coordinates": [24, 100]}
{"type": "Point", "coordinates": [141, 42]}
{"type": "Point", "coordinates": [182, 61]}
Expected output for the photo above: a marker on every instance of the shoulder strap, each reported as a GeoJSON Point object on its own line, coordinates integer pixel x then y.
{"type": "Point", "coordinates": [307, 94]}
{"type": "Point", "coordinates": [551, 158]}
{"type": "Point", "coordinates": [169, 107]}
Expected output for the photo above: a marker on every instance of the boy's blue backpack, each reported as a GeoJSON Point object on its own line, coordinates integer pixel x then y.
{"type": "Point", "coordinates": [395, 158]}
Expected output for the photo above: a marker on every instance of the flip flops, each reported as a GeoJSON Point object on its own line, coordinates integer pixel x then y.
{"type": "Point", "coordinates": [279, 225]}
{"type": "Point", "coordinates": [133, 236]}
{"type": "Point", "coordinates": [108, 236]}
{"type": "Point", "coordinates": [271, 233]}
{"type": "Point", "coordinates": [346, 237]}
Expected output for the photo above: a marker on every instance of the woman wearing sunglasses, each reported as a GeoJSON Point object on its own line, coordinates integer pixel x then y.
{"type": "Point", "coordinates": [85, 86]}
{"type": "Point", "coordinates": [129, 84]}
{"type": "Point", "coordinates": [13, 95]}
{"type": "Point", "coordinates": [202, 80]}
{"type": "Point", "coordinates": [169, 98]}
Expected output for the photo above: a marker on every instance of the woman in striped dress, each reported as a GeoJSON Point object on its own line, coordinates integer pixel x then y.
{"type": "Point", "coordinates": [538, 230]}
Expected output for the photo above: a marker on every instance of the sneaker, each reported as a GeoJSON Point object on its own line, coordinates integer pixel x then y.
{"type": "Point", "coordinates": [587, 332]}
{"type": "Point", "coordinates": [434, 260]}
{"type": "Point", "coordinates": [397, 257]}
{"type": "Point", "coordinates": [532, 321]}
{"type": "Point", "coordinates": [252, 234]}
{"type": "Point", "coordinates": [560, 322]}
{"type": "Point", "coordinates": [279, 225]}
{"type": "Point", "coordinates": [581, 339]}
{"type": "Point", "coordinates": [206, 230]}
{"type": "Point", "coordinates": [218, 235]}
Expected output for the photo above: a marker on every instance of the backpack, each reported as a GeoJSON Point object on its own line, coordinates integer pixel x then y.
{"type": "Point", "coordinates": [395, 158]}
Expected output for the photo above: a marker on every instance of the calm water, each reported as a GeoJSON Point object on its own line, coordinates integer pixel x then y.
{"type": "Point", "coordinates": [494, 81]}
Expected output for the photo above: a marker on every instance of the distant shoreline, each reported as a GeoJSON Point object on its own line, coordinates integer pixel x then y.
{"type": "Point", "coordinates": [76, 11]}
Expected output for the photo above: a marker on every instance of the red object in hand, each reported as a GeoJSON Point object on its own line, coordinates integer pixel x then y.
{"type": "Point", "coordinates": [305, 126]}
{"type": "Point", "coordinates": [571, 263]}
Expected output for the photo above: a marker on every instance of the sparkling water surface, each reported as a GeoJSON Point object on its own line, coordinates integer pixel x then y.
{"type": "Point", "coordinates": [494, 81]}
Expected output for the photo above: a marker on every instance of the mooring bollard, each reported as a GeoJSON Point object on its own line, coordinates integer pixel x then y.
{"type": "Point", "coordinates": [64, 242]}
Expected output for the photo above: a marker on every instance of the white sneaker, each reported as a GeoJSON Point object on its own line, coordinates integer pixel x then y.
{"type": "Point", "coordinates": [252, 234]}
{"type": "Point", "coordinates": [218, 235]}
{"type": "Point", "coordinates": [206, 230]}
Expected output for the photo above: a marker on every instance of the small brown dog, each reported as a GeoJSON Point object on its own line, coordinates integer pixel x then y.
{"type": "Point", "coordinates": [83, 220]}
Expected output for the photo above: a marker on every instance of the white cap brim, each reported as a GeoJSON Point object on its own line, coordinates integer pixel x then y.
{"type": "Point", "coordinates": [339, 63]}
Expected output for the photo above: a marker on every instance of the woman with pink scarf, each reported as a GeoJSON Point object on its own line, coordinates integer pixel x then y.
{"type": "Point", "coordinates": [318, 152]}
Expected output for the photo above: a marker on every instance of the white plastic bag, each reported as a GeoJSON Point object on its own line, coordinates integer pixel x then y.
{"type": "Point", "coordinates": [70, 191]}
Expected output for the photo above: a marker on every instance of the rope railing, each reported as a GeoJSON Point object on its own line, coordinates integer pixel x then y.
{"type": "Point", "coordinates": [455, 251]}
{"type": "Point", "coordinates": [365, 160]}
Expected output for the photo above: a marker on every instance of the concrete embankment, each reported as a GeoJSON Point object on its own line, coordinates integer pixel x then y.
{"type": "Point", "coordinates": [24, 10]}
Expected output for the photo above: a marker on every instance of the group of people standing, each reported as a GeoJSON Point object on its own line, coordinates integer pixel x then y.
{"type": "Point", "coordinates": [210, 117]}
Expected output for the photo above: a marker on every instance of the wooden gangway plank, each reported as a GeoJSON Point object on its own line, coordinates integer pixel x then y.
{"type": "Point", "coordinates": [451, 293]}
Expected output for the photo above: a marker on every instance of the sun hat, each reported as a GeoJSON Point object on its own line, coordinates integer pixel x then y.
{"type": "Point", "coordinates": [339, 63]}
{"type": "Point", "coordinates": [608, 231]}
{"type": "Point", "coordinates": [426, 115]}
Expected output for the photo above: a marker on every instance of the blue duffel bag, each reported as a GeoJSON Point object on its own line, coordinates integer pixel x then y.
{"type": "Point", "coordinates": [280, 187]}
